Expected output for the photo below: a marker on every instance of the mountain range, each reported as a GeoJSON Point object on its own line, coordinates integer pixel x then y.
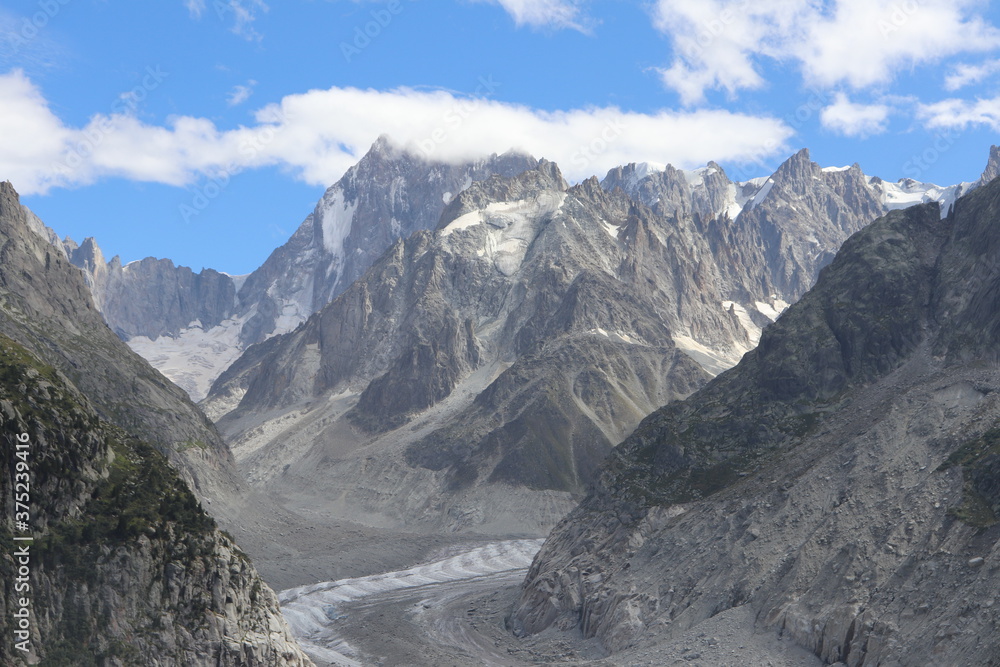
{"type": "Point", "coordinates": [459, 348]}
{"type": "Point", "coordinates": [481, 335]}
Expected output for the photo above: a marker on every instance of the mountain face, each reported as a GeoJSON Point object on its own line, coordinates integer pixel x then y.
{"type": "Point", "coordinates": [192, 326]}
{"type": "Point", "coordinates": [152, 297]}
{"type": "Point", "coordinates": [388, 195]}
{"type": "Point", "coordinates": [124, 564]}
{"type": "Point", "coordinates": [507, 351]}
{"type": "Point", "coordinates": [841, 483]}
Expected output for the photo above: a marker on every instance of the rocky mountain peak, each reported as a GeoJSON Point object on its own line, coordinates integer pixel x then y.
{"type": "Point", "coordinates": [796, 169]}
{"type": "Point", "coordinates": [87, 256]}
{"type": "Point", "coordinates": [992, 166]}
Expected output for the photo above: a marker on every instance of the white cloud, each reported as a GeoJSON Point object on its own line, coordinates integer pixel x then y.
{"type": "Point", "coordinates": [959, 114]}
{"type": "Point", "coordinates": [854, 120]}
{"type": "Point", "coordinates": [964, 75]}
{"type": "Point", "coordinates": [721, 44]}
{"type": "Point", "coordinates": [240, 93]}
{"type": "Point", "coordinates": [317, 135]}
{"type": "Point", "coordinates": [541, 13]}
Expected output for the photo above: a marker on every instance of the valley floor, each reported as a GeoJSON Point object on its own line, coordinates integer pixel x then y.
{"type": "Point", "coordinates": [450, 611]}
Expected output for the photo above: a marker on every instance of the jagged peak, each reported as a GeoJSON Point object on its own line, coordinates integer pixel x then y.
{"type": "Point", "coordinates": [992, 166]}
{"type": "Point", "coordinates": [796, 168]}
{"type": "Point", "coordinates": [552, 171]}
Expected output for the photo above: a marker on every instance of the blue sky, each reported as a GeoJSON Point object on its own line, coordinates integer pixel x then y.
{"type": "Point", "coordinates": [205, 130]}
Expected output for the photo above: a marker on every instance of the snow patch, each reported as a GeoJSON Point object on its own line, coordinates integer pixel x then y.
{"type": "Point", "coordinates": [907, 192]}
{"type": "Point", "coordinates": [618, 336]}
{"type": "Point", "coordinates": [771, 310]}
{"type": "Point", "coordinates": [713, 361]}
{"type": "Point", "coordinates": [642, 171]}
{"type": "Point", "coordinates": [194, 358]}
{"type": "Point", "coordinates": [612, 230]}
{"type": "Point", "coordinates": [832, 169]}
{"type": "Point", "coordinates": [736, 200]}
{"type": "Point", "coordinates": [464, 221]}
{"type": "Point", "coordinates": [696, 177]}
{"type": "Point", "coordinates": [761, 194]}
{"type": "Point", "coordinates": [510, 227]}
{"type": "Point", "coordinates": [753, 331]}
{"type": "Point", "coordinates": [336, 218]}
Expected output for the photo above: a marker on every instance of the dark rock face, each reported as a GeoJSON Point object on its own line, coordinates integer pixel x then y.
{"type": "Point", "coordinates": [838, 481]}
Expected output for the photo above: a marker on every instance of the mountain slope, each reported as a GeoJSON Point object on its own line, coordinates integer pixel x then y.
{"type": "Point", "coordinates": [118, 533]}
{"type": "Point", "coordinates": [125, 567]}
{"type": "Point", "coordinates": [841, 481]}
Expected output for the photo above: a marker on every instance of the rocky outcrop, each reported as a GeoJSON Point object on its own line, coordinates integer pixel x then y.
{"type": "Point", "coordinates": [992, 167]}
{"type": "Point", "coordinates": [124, 567]}
{"type": "Point", "coordinates": [839, 482]}
{"type": "Point", "coordinates": [152, 297]}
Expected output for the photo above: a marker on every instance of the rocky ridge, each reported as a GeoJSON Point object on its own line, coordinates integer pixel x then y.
{"type": "Point", "coordinates": [841, 483]}
{"type": "Point", "coordinates": [192, 326]}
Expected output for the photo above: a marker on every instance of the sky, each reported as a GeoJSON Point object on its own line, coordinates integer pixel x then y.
{"type": "Point", "coordinates": [205, 131]}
